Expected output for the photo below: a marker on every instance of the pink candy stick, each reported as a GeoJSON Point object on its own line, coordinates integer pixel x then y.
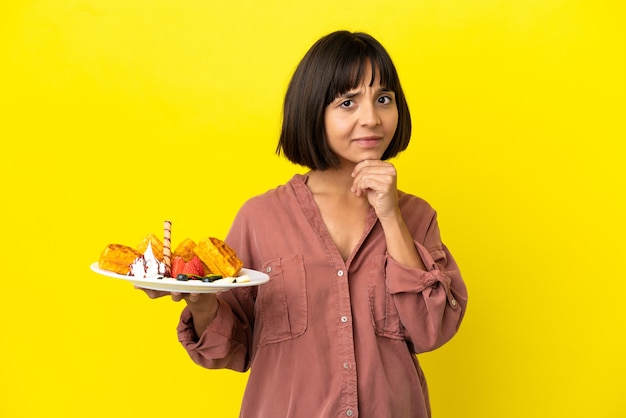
{"type": "Point", "coordinates": [167, 243]}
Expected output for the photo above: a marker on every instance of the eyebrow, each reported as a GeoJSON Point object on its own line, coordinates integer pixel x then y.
{"type": "Point", "coordinates": [355, 92]}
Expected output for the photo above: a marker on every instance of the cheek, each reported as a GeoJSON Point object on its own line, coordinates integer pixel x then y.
{"type": "Point", "coordinates": [329, 124]}
{"type": "Point", "coordinates": [336, 127]}
{"type": "Point", "coordinates": [392, 124]}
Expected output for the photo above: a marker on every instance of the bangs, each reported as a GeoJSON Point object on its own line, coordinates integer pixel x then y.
{"type": "Point", "coordinates": [351, 67]}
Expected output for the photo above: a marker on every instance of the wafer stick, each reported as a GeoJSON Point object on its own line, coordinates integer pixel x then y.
{"type": "Point", "coordinates": [167, 244]}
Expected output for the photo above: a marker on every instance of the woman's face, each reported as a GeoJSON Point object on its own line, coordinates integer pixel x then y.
{"type": "Point", "coordinates": [361, 122]}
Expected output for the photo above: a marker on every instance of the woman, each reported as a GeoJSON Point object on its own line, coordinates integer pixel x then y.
{"type": "Point", "coordinates": [360, 281]}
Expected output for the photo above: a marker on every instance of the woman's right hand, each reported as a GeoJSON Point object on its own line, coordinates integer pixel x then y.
{"type": "Point", "coordinates": [203, 306]}
{"type": "Point", "coordinates": [191, 298]}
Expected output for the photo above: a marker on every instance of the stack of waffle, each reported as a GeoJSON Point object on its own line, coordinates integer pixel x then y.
{"type": "Point", "coordinates": [215, 254]}
{"type": "Point", "coordinates": [118, 258]}
{"type": "Point", "coordinates": [218, 257]}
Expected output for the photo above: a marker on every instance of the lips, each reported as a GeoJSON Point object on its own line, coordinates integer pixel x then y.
{"type": "Point", "coordinates": [368, 141]}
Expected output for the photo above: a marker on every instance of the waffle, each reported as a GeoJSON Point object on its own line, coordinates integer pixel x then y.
{"type": "Point", "coordinates": [157, 246]}
{"type": "Point", "coordinates": [118, 258]}
{"type": "Point", "coordinates": [184, 250]}
{"type": "Point", "coordinates": [218, 257]}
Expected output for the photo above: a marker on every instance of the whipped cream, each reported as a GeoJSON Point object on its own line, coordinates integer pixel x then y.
{"type": "Point", "coordinates": [147, 266]}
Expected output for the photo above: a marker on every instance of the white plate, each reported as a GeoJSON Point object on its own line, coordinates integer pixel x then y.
{"type": "Point", "coordinates": [169, 284]}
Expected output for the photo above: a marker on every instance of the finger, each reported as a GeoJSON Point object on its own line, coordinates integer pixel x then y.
{"type": "Point", "coordinates": [361, 183]}
{"type": "Point", "coordinates": [371, 165]}
{"type": "Point", "coordinates": [177, 297]}
{"type": "Point", "coordinates": [380, 169]}
{"type": "Point", "coordinates": [193, 297]}
{"type": "Point", "coordinates": [152, 294]}
{"type": "Point", "coordinates": [380, 183]}
{"type": "Point", "coordinates": [359, 168]}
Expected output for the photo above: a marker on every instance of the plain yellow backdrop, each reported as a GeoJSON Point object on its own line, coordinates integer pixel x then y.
{"type": "Point", "coordinates": [117, 115]}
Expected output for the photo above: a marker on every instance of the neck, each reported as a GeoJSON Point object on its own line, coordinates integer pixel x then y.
{"type": "Point", "coordinates": [334, 181]}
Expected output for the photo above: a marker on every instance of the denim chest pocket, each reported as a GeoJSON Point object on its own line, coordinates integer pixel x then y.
{"type": "Point", "coordinates": [282, 302]}
{"type": "Point", "coordinates": [385, 318]}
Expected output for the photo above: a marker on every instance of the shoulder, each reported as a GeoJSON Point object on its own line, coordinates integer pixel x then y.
{"type": "Point", "coordinates": [414, 204]}
{"type": "Point", "coordinates": [421, 218]}
{"type": "Point", "coordinates": [281, 197]}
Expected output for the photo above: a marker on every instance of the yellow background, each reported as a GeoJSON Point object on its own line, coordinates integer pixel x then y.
{"type": "Point", "coordinates": [117, 114]}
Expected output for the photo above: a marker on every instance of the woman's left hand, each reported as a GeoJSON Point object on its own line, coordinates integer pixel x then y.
{"type": "Point", "coordinates": [377, 180]}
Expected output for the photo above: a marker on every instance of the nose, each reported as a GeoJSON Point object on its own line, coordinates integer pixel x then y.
{"type": "Point", "coordinates": [368, 115]}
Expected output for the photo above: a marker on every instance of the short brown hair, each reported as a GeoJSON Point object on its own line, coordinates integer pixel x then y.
{"type": "Point", "coordinates": [335, 65]}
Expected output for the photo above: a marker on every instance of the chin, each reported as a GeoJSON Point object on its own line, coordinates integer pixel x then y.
{"type": "Point", "coordinates": [370, 156]}
{"type": "Point", "coordinates": [356, 158]}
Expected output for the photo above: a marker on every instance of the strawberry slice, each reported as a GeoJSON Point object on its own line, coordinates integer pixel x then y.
{"type": "Point", "coordinates": [178, 265]}
{"type": "Point", "coordinates": [193, 267]}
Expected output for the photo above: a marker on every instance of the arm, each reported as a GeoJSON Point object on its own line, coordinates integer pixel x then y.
{"type": "Point", "coordinates": [225, 341]}
{"type": "Point", "coordinates": [421, 274]}
{"type": "Point", "coordinates": [431, 304]}
{"type": "Point", "coordinates": [217, 330]}
{"type": "Point", "coordinates": [400, 244]}
{"type": "Point", "coordinates": [377, 180]}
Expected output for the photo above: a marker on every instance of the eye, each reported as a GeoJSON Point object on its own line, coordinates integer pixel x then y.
{"type": "Point", "coordinates": [385, 99]}
{"type": "Point", "coordinates": [346, 103]}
